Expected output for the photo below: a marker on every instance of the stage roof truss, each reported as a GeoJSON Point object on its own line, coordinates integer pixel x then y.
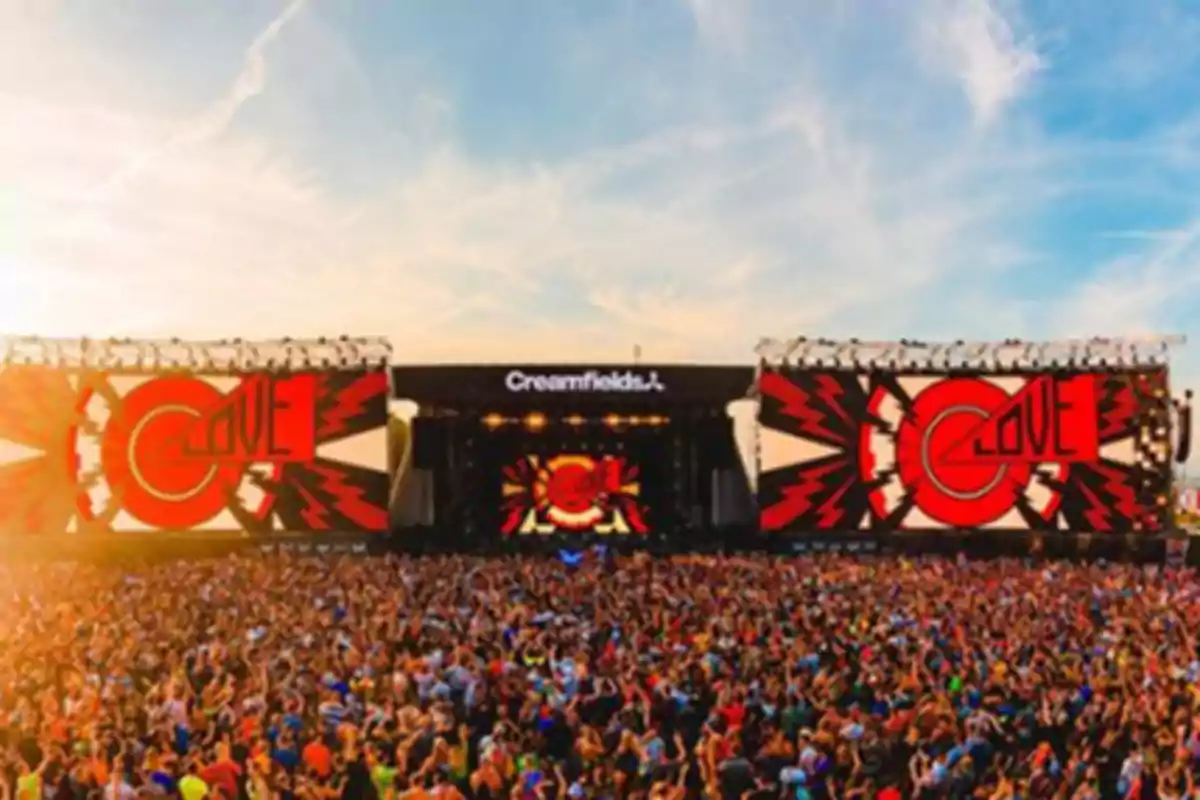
{"type": "Point", "coordinates": [910, 354]}
{"type": "Point", "coordinates": [219, 355]}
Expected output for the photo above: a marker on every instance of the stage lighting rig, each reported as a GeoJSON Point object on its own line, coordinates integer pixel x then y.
{"type": "Point", "coordinates": [918, 355]}
{"type": "Point", "coordinates": [219, 355]}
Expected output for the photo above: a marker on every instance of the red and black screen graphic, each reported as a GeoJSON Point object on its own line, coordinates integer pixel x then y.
{"type": "Point", "coordinates": [842, 451]}
{"type": "Point", "coordinates": [572, 493]}
{"type": "Point", "coordinates": [93, 452]}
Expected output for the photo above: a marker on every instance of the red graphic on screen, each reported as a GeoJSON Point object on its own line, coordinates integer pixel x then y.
{"type": "Point", "coordinates": [38, 420]}
{"type": "Point", "coordinates": [144, 461]}
{"type": "Point", "coordinates": [92, 452]}
{"type": "Point", "coordinates": [934, 459]}
{"type": "Point", "coordinates": [911, 452]}
{"type": "Point", "coordinates": [267, 418]}
{"type": "Point", "coordinates": [1050, 419]}
{"type": "Point", "coordinates": [572, 494]}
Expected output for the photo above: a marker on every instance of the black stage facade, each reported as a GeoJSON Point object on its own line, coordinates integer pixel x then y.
{"type": "Point", "coordinates": [506, 458]}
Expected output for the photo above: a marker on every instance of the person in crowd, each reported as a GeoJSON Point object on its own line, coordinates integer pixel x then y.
{"type": "Point", "coordinates": [277, 676]}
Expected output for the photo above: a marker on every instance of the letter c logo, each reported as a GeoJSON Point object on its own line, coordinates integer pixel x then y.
{"type": "Point", "coordinates": [516, 381]}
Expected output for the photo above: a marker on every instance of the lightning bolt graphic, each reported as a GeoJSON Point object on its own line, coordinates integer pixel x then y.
{"type": "Point", "coordinates": [314, 514]}
{"type": "Point", "coordinates": [832, 392]}
{"type": "Point", "coordinates": [1124, 409]}
{"type": "Point", "coordinates": [1098, 516]}
{"type": "Point", "coordinates": [798, 498]}
{"type": "Point", "coordinates": [831, 511]}
{"type": "Point", "coordinates": [349, 499]}
{"type": "Point", "coordinates": [1117, 487]}
{"type": "Point", "coordinates": [350, 403]}
{"type": "Point", "coordinates": [797, 403]}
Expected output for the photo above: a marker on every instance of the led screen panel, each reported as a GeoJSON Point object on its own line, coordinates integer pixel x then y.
{"type": "Point", "coordinates": [845, 450]}
{"type": "Point", "coordinates": [101, 453]}
{"type": "Point", "coordinates": [573, 493]}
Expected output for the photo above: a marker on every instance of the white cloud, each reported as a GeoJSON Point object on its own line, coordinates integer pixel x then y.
{"type": "Point", "coordinates": [815, 210]}
{"type": "Point", "coordinates": [214, 120]}
{"type": "Point", "coordinates": [820, 204]}
{"type": "Point", "coordinates": [990, 62]}
{"type": "Point", "coordinates": [1142, 293]}
{"type": "Point", "coordinates": [722, 23]}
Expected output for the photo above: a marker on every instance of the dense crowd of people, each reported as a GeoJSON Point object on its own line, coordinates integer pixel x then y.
{"type": "Point", "coordinates": [802, 677]}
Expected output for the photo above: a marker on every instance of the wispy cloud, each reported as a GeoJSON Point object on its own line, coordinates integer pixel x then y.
{"type": "Point", "coordinates": [991, 63]}
{"type": "Point", "coordinates": [1146, 235]}
{"type": "Point", "coordinates": [1139, 291]}
{"type": "Point", "coordinates": [673, 196]}
{"type": "Point", "coordinates": [723, 23]}
{"type": "Point", "coordinates": [212, 121]}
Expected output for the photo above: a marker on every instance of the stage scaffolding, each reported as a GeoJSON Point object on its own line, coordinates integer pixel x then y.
{"type": "Point", "coordinates": [217, 355]}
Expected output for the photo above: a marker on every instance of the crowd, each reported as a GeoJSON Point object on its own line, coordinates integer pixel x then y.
{"type": "Point", "coordinates": [815, 677]}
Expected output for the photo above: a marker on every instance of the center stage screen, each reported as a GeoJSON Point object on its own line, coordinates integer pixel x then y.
{"type": "Point", "coordinates": [843, 450]}
{"type": "Point", "coordinates": [573, 493]}
{"type": "Point", "coordinates": [101, 453]}
{"type": "Point", "coordinates": [573, 481]}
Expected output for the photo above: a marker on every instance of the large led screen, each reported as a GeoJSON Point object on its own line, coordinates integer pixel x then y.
{"type": "Point", "coordinates": [572, 480]}
{"type": "Point", "coordinates": [842, 450]}
{"type": "Point", "coordinates": [98, 453]}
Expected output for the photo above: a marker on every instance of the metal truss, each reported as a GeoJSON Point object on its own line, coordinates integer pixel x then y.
{"type": "Point", "coordinates": [1008, 354]}
{"type": "Point", "coordinates": [222, 355]}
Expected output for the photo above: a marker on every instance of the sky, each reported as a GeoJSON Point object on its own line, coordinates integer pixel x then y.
{"type": "Point", "coordinates": [520, 180]}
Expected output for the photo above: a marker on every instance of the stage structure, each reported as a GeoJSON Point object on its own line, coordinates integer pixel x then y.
{"type": "Point", "coordinates": [101, 437]}
{"type": "Point", "coordinates": [1063, 436]}
{"type": "Point", "coordinates": [507, 457]}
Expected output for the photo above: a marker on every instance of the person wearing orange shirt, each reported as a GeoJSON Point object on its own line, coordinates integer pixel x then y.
{"type": "Point", "coordinates": [318, 758]}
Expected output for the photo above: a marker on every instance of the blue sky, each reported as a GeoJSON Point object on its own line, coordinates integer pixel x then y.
{"type": "Point", "coordinates": [521, 179]}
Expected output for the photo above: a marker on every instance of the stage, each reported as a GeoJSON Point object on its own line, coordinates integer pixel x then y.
{"type": "Point", "coordinates": [520, 457]}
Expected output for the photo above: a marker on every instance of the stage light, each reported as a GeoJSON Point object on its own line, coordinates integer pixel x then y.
{"type": "Point", "coordinates": [575, 420]}
{"type": "Point", "coordinates": [657, 420]}
{"type": "Point", "coordinates": [612, 421]}
{"type": "Point", "coordinates": [493, 421]}
{"type": "Point", "coordinates": [535, 421]}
